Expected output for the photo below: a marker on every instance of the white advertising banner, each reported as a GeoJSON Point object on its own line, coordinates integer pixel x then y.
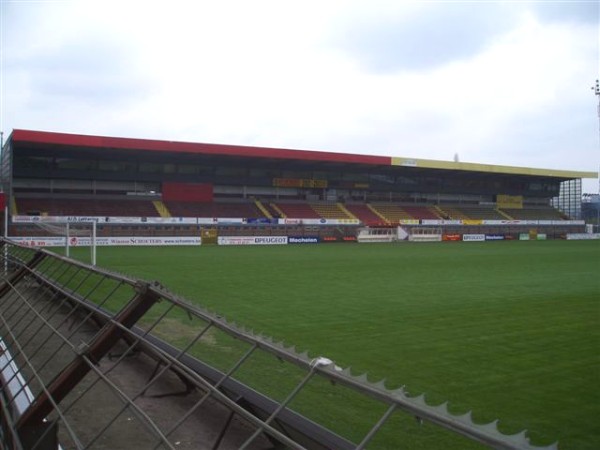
{"type": "Point", "coordinates": [253, 240]}
{"type": "Point", "coordinates": [231, 220]}
{"type": "Point", "coordinates": [104, 219]}
{"type": "Point", "coordinates": [501, 222]}
{"type": "Point", "coordinates": [319, 222]}
{"type": "Point", "coordinates": [78, 241]}
{"type": "Point", "coordinates": [440, 222]}
{"type": "Point", "coordinates": [40, 241]}
{"type": "Point", "coordinates": [242, 221]}
{"type": "Point", "coordinates": [290, 221]}
{"type": "Point", "coordinates": [473, 237]}
{"type": "Point", "coordinates": [172, 220]}
{"type": "Point", "coordinates": [56, 219]}
{"type": "Point", "coordinates": [582, 236]}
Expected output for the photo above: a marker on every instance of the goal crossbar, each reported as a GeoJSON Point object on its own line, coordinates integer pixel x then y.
{"type": "Point", "coordinates": [64, 229]}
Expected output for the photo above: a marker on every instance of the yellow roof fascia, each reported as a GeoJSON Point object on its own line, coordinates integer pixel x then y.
{"type": "Point", "coordinates": [489, 168]}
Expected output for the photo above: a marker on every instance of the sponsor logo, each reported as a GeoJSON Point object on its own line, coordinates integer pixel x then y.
{"type": "Point", "coordinates": [451, 237]}
{"type": "Point", "coordinates": [271, 240]}
{"type": "Point", "coordinates": [303, 240]}
{"type": "Point", "coordinates": [473, 237]}
{"type": "Point", "coordinates": [252, 240]}
{"type": "Point", "coordinates": [409, 222]}
{"type": "Point", "coordinates": [81, 219]}
{"type": "Point", "coordinates": [494, 237]}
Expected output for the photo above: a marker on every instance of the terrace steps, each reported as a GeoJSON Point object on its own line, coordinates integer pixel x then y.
{"type": "Point", "coordinates": [262, 208]}
{"type": "Point", "coordinates": [378, 214]}
{"type": "Point", "coordinates": [392, 213]}
{"type": "Point", "coordinates": [345, 210]}
{"type": "Point", "coordinates": [161, 208]}
{"type": "Point", "coordinates": [331, 211]}
{"type": "Point", "coordinates": [278, 210]}
{"type": "Point", "coordinates": [455, 213]}
{"type": "Point", "coordinates": [439, 211]}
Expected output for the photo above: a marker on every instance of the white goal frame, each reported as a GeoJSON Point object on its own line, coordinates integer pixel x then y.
{"type": "Point", "coordinates": [64, 229]}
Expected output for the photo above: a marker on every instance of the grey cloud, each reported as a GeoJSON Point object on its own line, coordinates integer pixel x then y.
{"type": "Point", "coordinates": [54, 59]}
{"type": "Point", "coordinates": [432, 35]}
{"type": "Point", "coordinates": [546, 138]}
{"type": "Point", "coordinates": [89, 71]}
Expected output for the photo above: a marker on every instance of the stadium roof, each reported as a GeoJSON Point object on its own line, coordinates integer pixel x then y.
{"type": "Point", "coordinates": [53, 139]}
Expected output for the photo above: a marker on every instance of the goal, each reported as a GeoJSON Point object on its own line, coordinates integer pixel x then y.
{"type": "Point", "coordinates": [75, 235]}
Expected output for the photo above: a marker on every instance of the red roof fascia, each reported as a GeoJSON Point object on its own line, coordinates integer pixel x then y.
{"type": "Point", "coordinates": [51, 138]}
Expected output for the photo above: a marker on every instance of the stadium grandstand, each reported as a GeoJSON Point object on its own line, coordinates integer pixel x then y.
{"type": "Point", "coordinates": [153, 188]}
{"type": "Point", "coordinates": [91, 358]}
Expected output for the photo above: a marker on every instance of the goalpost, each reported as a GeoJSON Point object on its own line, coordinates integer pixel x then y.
{"type": "Point", "coordinates": [72, 235]}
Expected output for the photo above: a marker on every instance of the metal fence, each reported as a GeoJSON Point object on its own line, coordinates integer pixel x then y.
{"type": "Point", "coordinates": [94, 359]}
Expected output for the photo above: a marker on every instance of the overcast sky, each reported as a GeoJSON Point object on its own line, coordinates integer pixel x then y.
{"type": "Point", "coordinates": [504, 83]}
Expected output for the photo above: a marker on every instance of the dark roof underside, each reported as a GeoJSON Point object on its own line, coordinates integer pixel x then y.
{"type": "Point", "coordinates": [264, 156]}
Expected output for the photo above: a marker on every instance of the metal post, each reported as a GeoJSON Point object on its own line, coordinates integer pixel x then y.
{"type": "Point", "coordinates": [62, 385]}
{"type": "Point", "coordinates": [377, 426]}
{"type": "Point", "coordinates": [281, 406]}
{"type": "Point", "coordinates": [5, 247]}
{"type": "Point", "coordinates": [21, 273]}
{"type": "Point", "coordinates": [93, 243]}
{"type": "Point", "coordinates": [67, 239]}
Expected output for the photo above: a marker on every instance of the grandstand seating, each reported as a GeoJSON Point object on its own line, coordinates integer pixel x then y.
{"type": "Point", "coordinates": [365, 214]}
{"type": "Point", "coordinates": [535, 213]}
{"type": "Point", "coordinates": [329, 211]}
{"type": "Point", "coordinates": [453, 213]}
{"type": "Point", "coordinates": [297, 210]}
{"type": "Point", "coordinates": [88, 207]}
{"type": "Point", "coordinates": [475, 212]}
{"type": "Point", "coordinates": [484, 213]}
{"type": "Point", "coordinates": [373, 214]}
{"type": "Point", "coordinates": [393, 213]}
{"type": "Point", "coordinates": [421, 212]}
{"type": "Point", "coordinates": [246, 209]}
{"type": "Point", "coordinates": [264, 208]}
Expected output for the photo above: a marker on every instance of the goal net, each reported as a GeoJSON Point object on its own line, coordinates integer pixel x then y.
{"type": "Point", "coordinates": [75, 235]}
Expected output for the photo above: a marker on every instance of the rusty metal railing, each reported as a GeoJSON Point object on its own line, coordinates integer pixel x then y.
{"type": "Point", "coordinates": [92, 358]}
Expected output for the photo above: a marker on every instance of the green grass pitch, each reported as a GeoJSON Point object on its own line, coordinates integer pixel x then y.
{"type": "Point", "coordinates": [510, 330]}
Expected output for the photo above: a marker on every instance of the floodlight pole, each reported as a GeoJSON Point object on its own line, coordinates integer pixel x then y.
{"type": "Point", "coordinates": [5, 233]}
{"type": "Point", "coordinates": [2, 185]}
{"type": "Point", "coordinates": [93, 243]}
{"type": "Point", "coordinates": [596, 90]}
{"type": "Point", "coordinates": [67, 239]}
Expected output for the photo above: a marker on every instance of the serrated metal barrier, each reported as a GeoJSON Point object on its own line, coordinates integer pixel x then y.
{"type": "Point", "coordinates": [93, 359]}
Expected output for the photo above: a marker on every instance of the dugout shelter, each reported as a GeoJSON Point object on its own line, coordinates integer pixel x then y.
{"type": "Point", "coordinates": [142, 187]}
